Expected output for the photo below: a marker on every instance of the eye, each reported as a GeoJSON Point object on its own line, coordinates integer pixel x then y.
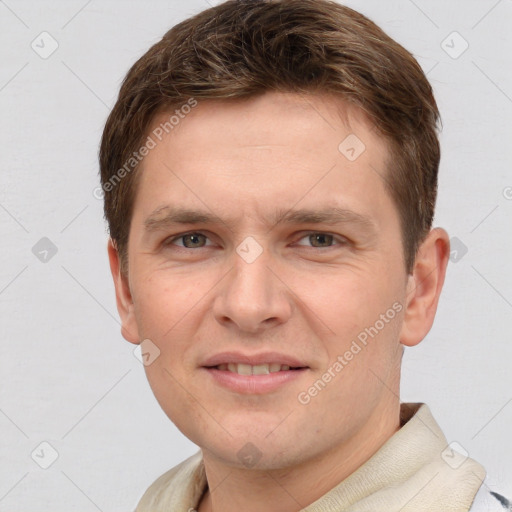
{"type": "Point", "coordinates": [320, 240]}
{"type": "Point", "coordinates": [197, 240]}
{"type": "Point", "coordinates": [189, 240]}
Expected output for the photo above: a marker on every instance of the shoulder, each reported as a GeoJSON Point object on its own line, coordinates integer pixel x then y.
{"type": "Point", "coordinates": [179, 488]}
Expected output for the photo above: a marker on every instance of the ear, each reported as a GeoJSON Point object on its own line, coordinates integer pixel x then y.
{"type": "Point", "coordinates": [424, 287]}
{"type": "Point", "coordinates": [124, 300]}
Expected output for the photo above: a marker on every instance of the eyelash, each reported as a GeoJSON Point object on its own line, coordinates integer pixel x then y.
{"type": "Point", "coordinates": [342, 241]}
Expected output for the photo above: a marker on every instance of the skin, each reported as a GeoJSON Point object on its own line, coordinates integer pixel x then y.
{"type": "Point", "coordinates": [303, 296]}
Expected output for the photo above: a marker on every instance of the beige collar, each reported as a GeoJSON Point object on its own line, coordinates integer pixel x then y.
{"type": "Point", "coordinates": [414, 471]}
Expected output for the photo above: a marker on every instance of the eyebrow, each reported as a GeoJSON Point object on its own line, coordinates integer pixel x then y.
{"type": "Point", "coordinates": [166, 216]}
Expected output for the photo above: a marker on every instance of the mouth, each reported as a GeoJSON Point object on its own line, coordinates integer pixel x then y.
{"type": "Point", "coordinates": [258, 369]}
{"type": "Point", "coordinates": [256, 375]}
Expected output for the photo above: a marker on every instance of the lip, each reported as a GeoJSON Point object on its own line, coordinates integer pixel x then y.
{"type": "Point", "coordinates": [253, 359]}
{"type": "Point", "coordinates": [253, 384]}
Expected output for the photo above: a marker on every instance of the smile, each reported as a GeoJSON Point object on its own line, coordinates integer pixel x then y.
{"type": "Point", "coordinates": [259, 369]}
{"type": "Point", "coordinates": [253, 374]}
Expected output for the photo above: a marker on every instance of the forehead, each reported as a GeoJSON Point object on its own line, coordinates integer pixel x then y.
{"type": "Point", "coordinates": [256, 118]}
{"type": "Point", "coordinates": [277, 149]}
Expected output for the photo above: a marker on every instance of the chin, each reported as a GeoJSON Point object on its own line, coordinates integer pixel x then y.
{"type": "Point", "coordinates": [256, 452]}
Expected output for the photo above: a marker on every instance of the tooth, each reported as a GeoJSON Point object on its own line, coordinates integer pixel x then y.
{"type": "Point", "coordinates": [274, 367]}
{"type": "Point", "coordinates": [260, 369]}
{"type": "Point", "coordinates": [244, 369]}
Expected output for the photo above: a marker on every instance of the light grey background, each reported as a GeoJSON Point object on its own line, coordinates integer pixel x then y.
{"type": "Point", "coordinates": [67, 376]}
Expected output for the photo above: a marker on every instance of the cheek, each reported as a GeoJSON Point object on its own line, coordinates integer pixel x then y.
{"type": "Point", "coordinates": [170, 389]}
{"type": "Point", "coordinates": [360, 306]}
{"type": "Point", "coordinates": [344, 299]}
{"type": "Point", "coordinates": [162, 304]}
{"type": "Point", "coordinates": [169, 311]}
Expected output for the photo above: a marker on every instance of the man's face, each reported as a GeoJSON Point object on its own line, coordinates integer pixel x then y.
{"type": "Point", "coordinates": [259, 285]}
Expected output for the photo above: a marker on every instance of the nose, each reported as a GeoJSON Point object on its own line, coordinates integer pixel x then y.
{"type": "Point", "coordinates": [253, 296]}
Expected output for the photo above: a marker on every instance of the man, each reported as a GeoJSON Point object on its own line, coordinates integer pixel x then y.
{"type": "Point", "coordinates": [270, 176]}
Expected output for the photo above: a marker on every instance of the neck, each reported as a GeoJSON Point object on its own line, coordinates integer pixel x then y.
{"type": "Point", "coordinates": [293, 488]}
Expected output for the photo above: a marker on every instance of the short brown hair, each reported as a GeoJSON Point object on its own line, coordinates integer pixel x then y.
{"type": "Point", "coordinates": [243, 48]}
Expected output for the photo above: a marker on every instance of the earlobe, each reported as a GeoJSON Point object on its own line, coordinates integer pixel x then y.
{"type": "Point", "coordinates": [124, 300]}
{"type": "Point", "coordinates": [424, 287]}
